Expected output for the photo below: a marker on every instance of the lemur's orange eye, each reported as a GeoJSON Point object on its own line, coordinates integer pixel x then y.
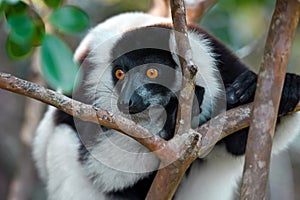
{"type": "Point", "coordinates": [152, 73]}
{"type": "Point", "coordinates": [120, 74]}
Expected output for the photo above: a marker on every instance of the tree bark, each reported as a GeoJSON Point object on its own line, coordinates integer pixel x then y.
{"type": "Point", "coordinates": [267, 98]}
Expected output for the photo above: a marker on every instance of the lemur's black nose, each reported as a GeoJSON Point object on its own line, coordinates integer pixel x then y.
{"type": "Point", "coordinates": [132, 106]}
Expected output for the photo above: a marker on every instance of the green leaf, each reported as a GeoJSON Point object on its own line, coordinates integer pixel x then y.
{"type": "Point", "coordinates": [21, 28]}
{"type": "Point", "coordinates": [25, 24]}
{"type": "Point", "coordinates": [17, 51]}
{"type": "Point", "coordinates": [53, 3]}
{"type": "Point", "coordinates": [69, 19]}
{"type": "Point", "coordinates": [39, 28]}
{"type": "Point", "coordinates": [58, 66]}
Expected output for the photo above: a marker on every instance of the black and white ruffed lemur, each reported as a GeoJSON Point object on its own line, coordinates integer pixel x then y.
{"type": "Point", "coordinates": [130, 66]}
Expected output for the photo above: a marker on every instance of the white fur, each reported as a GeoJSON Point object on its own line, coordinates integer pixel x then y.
{"type": "Point", "coordinates": [119, 162]}
{"type": "Point", "coordinates": [66, 175]}
{"type": "Point", "coordinates": [286, 132]}
{"type": "Point", "coordinates": [61, 172]}
{"type": "Point", "coordinates": [40, 142]}
{"type": "Point", "coordinates": [116, 26]}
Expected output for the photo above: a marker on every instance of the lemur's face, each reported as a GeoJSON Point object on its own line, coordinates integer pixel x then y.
{"type": "Point", "coordinates": [147, 79]}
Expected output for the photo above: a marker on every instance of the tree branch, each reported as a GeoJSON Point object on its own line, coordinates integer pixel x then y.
{"type": "Point", "coordinates": [82, 111]}
{"type": "Point", "coordinates": [233, 120]}
{"type": "Point", "coordinates": [188, 67]}
{"type": "Point", "coordinates": [267, 98]}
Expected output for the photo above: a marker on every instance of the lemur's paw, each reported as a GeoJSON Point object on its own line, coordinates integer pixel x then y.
{"type": "Point", "coordinates": [242, 90]}
{"type": "Point", "coordinates": [290, 94]}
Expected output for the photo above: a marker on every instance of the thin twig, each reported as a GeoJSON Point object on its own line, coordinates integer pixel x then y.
{"type": "Point", "coordinates": [188, 67]}
{"type": "Point", "coordinates": [267, 98]}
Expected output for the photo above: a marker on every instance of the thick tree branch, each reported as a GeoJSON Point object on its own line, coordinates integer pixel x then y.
{"type": "Point", "coordinates": [82, 111]}
{"type": "Point", "coordinates": [267, 98]}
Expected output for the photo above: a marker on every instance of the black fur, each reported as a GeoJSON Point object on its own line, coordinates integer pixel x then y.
{"type": "Point", "coordinates": [242, 91]}
{"type": "Point", "coordinates": [137, 192]}
{"type": "Point", "coordinates": [229, 66]}
{"type": "Point", "coordinates": [290, 94]}
{"type": "Point", "coordinates": [61, 117]}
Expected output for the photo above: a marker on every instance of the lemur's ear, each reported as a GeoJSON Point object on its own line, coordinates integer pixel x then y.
{"type": "Point", "coordinates": [83, 50]}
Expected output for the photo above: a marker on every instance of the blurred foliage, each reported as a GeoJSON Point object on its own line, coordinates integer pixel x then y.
{"type": "Point", "coordinates": [58, 66]}
{"type": "Point", "coordinates": [129, 5]}
{"type": "Point", "coordinates": [53, 3]}
{"type": "Point", "coordinates": [239, 22]}
{"type": "Point", "coordinates": [27, 30]}
{"type": "Point", "coordinates": [69, 19]}
{"type": "Point", "coordinates": [243, 26]}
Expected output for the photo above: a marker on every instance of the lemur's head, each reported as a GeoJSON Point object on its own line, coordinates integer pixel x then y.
{"type": "Point", "coordinates": [145, 75]}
